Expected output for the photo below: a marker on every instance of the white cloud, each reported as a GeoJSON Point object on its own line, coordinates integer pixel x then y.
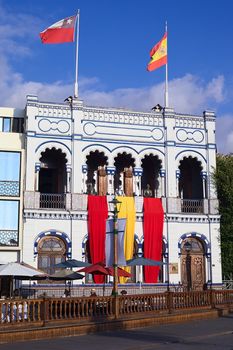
{"type": "Point", "coordinates": [187, 94]}
{"type": "Point", "coordinates": [224, 133]}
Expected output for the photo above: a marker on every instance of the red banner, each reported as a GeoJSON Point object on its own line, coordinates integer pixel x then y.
{"type": "Point", "coordinates": [97, 216]}
{"type": "Point", "coordinates": [153, 236]}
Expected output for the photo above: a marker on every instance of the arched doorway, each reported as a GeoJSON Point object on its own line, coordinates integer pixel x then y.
{"type": "Point", "coordinates": [51, 251]}
{"type": "Point", "coordinates": [151, 166]}
{"type": "Point", "coordinates": [96, 174]}
{"type": "Point", "coordinates": [192, 264]}
{"type": "Point", "coordinates": [52, 179]}
{"type": "Point", "coordinates": [123, 179]}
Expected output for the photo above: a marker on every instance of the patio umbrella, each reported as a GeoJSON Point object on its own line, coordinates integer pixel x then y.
{"type": "Point", "coordinates": [19, 271]}
{"type": "Point", "coordinates": [141, 261]}
{"type": "Point", "coordinates": [66, 275]}
{"type": "Point", "coordinates": [72, 263]}
{"type": "Point", "coordinates": [120, 272]}
{"type": "Point", "coordinates": [100, 269]}
{"type": "Point", "coordinates": [97, 269]}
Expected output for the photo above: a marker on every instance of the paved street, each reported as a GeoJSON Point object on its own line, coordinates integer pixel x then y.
{"type": "Point", "coordinates": [210, 334]}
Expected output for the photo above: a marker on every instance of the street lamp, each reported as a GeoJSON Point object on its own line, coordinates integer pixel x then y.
{"type": "Point", "coordinates": [187, 247]}
{"type": "Point", "coordinates": [115, 202]}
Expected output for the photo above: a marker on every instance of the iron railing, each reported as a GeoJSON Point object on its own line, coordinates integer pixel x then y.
{"type": "Point", "coordinates": [52, 201]}
{"type": "Point", "coordinates": [192, 206]}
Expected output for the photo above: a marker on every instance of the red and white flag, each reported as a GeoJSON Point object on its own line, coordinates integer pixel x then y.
{"type": "Point", "coordinates": [59, 32]}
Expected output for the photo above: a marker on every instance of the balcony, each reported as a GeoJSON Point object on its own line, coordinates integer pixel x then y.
{"type": "Point", "coordinates": [192, 206]}
{"type": "Point", "coordinates": [52, 201]}
{"type": "Point", "coordinates": [78, 202]}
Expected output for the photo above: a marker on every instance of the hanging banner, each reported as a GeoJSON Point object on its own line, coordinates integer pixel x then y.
{"type": "Point", "coordinates": [109, 243]}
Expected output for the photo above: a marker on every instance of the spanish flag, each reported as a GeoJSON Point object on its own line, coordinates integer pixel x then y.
{"type": "Point", "coordinates": [158, 54]}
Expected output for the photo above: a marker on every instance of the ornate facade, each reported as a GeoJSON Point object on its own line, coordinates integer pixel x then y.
{"type": "Point", "coordinates": [73, 150]}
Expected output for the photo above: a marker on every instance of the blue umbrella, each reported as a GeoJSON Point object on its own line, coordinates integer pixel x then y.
{"type": "Point", "coordinates": [143, 262]}
{"type": "Point", "coordinates": [72, 263]}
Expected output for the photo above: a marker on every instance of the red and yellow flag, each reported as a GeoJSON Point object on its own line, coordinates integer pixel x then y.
{"type": "Point", "coordinates": [158, 54]}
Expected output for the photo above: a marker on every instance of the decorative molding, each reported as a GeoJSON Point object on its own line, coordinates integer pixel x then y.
{"type": "Point", "coordinates": [61, 126]}
{"type": "Point", "coordinates": [184, 135]}
{"type": "Point", "coordinates": [200, 236]}
{"type": "Point", "coordinates": [54, 216]}
{"type": "Point", "coordinates": [122, 117]}
{"type": "Point", "coordinates": [55, 233]}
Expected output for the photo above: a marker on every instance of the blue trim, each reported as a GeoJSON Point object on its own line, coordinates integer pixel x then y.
{"type": "Point", "coordinates": [51, 125]}
{"type": "Point", "coordinates": [188, 150]}
{"type": "Point", "coordinates": [55, 233]}
{"type": "Point", "coordinates": [96, 145]}
{"type": "Point", "coordinates": [199, 236]}
{"type": "Point", "coordinates": [52, 136]}
{"type": "Point", "coordinates": [60, 143]}
{"type": "Point", "coordinates": [152, 149]}
{"type": "Point", "coordinates": [161, 144]}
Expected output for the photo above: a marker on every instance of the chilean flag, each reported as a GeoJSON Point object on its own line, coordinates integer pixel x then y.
{"type": "Point", "coordinates": [59, 32]}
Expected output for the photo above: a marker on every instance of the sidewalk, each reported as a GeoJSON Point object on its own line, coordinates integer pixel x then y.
{"type": "Point", "coordinates": [75, 328]}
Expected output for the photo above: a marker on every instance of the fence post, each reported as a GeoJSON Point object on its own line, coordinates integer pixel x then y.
{"type": "Point", "coordinates": [169, 296]}
{"type": "Point", "coordinates": [116, 306]}
{"type": "Point", "coordinates": [212, 299]}
{"type": "Point", "coordinates": [45, 310]}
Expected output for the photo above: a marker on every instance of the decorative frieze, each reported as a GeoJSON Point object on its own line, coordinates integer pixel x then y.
{"type": "Point", "coordinates": [123, 117]}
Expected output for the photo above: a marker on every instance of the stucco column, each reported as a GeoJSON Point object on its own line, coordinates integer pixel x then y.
{"type": "Point", "coordinates": [177, 182]}
{"type": "Point", "coordinates": [37, 170]}
{"type": "Point", "coordinates": [137, 172]}
{"type": "Point", "coordinates": [163, 178]}
{"type": "Point", "coordinates": [84, 178]}
{"type": "Point", "coordinates": [68, 178]}
{"type": "Point", "coordinates": [204, 179]}
{"type": "Point", "coordinates": [110, 170]}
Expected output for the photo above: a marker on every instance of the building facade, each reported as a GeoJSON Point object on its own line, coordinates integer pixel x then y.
{"type": "Point", "coordinates": [11, 183]}
{"type": "Point", "coordinates": [72, 150]}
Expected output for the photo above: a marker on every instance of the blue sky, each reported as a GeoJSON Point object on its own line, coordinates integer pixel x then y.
{"type": "Point", "coordinates": [115, 41]}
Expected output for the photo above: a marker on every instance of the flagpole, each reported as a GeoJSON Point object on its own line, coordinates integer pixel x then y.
{"type": "Point", "coordinates": [76, 56]}
{"type": "Point", "coordinates": [166, 76]}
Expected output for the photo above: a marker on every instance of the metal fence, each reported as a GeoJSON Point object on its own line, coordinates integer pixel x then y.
{"type": "Point", "coordinates": [192, 206]}
{"type": "Point", "coordinates": [52, 201]}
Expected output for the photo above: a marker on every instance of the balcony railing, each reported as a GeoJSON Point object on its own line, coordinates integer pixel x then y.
{"type": "Point", "coordinates": [52, 201]}
{"type": "Point", "coordinates": [192, 206]}
{"type": "Point", "coordinates": [78, 202]}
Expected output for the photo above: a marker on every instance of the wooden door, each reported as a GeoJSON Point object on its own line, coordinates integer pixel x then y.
{"type": "Point", "coordinates": [193, 271]}
{"type": "Point", "coordinates": [197, 272]}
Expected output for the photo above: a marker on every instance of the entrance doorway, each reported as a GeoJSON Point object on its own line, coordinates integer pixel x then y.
{"type": "Point", "coordinates": [192, 264]}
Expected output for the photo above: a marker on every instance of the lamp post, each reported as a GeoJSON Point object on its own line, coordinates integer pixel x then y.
{"type": "Point", "coordinates": [187, 247]}
{"type": "Point", "coordinates": [115, 202]}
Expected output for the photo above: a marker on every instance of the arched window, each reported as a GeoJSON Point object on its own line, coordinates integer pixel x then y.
{"type": "Point", "coordinates": [51, 251]}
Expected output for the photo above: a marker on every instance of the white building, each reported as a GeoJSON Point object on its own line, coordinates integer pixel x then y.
{"type": "Point", "coordinates": [72, 149]}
